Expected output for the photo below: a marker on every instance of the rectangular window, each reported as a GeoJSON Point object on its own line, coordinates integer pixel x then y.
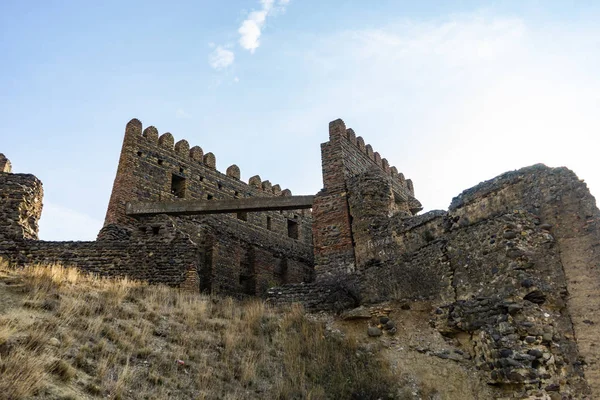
{"type": "Point", "coordinates": [269, 223]}
{"type": "Point", "coordinates": [242, 216]}
{"type": "Point", "coordinates": [178, 186]}
{"type": "Point", "coordinates": [292, 229]}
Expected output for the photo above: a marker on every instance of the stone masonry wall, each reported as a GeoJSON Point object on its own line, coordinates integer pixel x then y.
{"type": "Point", "coordinates": [5, 165]}
{"type": "Point", "coordinates": [20, 206]}
{"type": "Point", "coordinates": [564, 205]}
{"type": "Point", "coordinates": [343, 157]}
{"type": "Point", "coordinates": [243, 258]}
{"type": "Point", "coordinates": [511, 274]}
{"type": "Point", "coordinates": [152, 261]}
{"type": "Point", "coordinates": [227, 254]}
{"type": "Point", "coordinates": [231, 258]}
{"type": "Point", "coordinates": [153, 168]}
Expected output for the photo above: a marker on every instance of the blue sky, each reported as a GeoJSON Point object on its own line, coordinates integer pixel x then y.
{"type": "Point", "coordinates": [452, 93]}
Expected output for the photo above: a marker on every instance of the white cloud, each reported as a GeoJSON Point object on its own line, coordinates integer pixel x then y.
{"type": "Point", "coordinates": [251, 28]}
{"type": "Point", "coordinates": [181, 114]}
{"type": "Point", "coordinates": [61, 223]}
{"type": "Point", "coordinates": [221, 58]}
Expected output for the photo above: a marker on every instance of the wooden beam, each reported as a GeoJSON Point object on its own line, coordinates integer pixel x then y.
{"type": "Point", "coordinates": [197, 207]}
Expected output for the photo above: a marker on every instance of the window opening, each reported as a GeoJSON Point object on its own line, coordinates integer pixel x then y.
{"type": "Point", "coordinates": [292, 229]}
{"type": "Point", "coordinates": [242, 215]}
{"type": "Point", "coordinates": [178, 186]}
{"type": "Point", "coordinates": [269, 223]}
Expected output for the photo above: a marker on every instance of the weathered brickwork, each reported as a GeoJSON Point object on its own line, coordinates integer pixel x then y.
{"type": "Point", "coordinates": [239, 258]}
{"type": "Point", "coordinates": [511, 274]}
{"type": "Point", "coordinates": [153, 261]}
{"type": "Point", "coordinates": [236, 254]}
{"type": "Point", "coordinates": [343, 157]}
{"type": "Point", "coordinates": [153, 168]}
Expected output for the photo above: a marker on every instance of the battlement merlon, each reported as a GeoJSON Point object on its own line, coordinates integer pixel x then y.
{"type": "Point", "coordinates": [348, 152]}
{"type": "Point", "coordinates": [5, 165]}
{"type": "Point", "coordinates": [156, 167]}
{"type": "Point", "coordinates": [195, 154]}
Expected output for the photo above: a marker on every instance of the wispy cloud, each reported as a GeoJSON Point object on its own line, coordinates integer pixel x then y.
{"type": "Point", "coordinates": [221, 58]}
{"type": "Point", "coordinates": [181, 114]}
{"type": "Point", "coordinates": [251, 28]}
{"type": "Point", "coordinates": [468, 90]}
{"type": "Point", "coordinates": [250, 32]}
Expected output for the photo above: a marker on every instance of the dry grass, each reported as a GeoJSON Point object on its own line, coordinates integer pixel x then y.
{"type": "Point", "coordinates": [67, 335]}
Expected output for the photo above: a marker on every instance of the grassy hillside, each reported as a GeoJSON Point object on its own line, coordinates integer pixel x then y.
{"type": "Point", "coordinates": [66, 335]}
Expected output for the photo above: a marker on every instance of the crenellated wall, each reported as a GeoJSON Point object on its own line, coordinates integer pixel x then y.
{"type": "Point", "coordinates": [155, 168]}
{"type": "Point", "coordinates": [355, 158]}
{"type": "Point", "coordinates": [343, 157]}
{"type": "Point", "coordinates": [234, 254]}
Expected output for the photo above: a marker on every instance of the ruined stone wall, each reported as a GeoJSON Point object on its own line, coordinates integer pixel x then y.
{"type": "Point", "coordinates": [511, 274]}
{"type": "Point", "coordinates": [230, 258]}
{"type": "Point", "coordinates": [219, 253]}
{"type": "Point", "coordinates": [152, 261]}
{"type": "Point", "coordinates": [563, 204]}
{"type": "Point", "coordinates": [153, 168]}
{"type": "Point", "coordinates": [343, 157]}
{"type": "Point", "coordinates": [514, 264]}
{"type": "Point", "coordinates": [242, 258]}
{"type": "Point", "coordinates": [155, 260]}
{"type": "Point", "coordinates": [316, 296]}
{"type": "Point", "coordinates": [5, 165]}
{"type": "Point", "coordinates": [20, 206]}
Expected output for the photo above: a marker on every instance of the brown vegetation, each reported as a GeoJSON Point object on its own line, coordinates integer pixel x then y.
{"type": "Point", "coordinates": [67, 335]}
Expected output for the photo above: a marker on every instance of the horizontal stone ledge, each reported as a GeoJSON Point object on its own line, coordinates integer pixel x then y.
{"type": "Point", "coordinates": [198, 207]}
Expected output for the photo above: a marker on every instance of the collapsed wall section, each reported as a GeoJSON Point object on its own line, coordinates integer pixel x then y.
{"type": "Point", "coordinates": [565, 206]}
{"type": "Point", "coordinates": [154, 168]}
{"type": "Point", "coordinates": [514, 264]}
{"type": "Point", "coordinates": [20, 204]}
{"type": "Point", "coordinates": [511, 274]}
{"type": "Point", "coordinates": [5, 165]}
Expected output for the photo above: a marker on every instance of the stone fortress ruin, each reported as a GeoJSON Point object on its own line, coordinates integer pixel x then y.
{"type": "Point", "coordinates": [510, 273]}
